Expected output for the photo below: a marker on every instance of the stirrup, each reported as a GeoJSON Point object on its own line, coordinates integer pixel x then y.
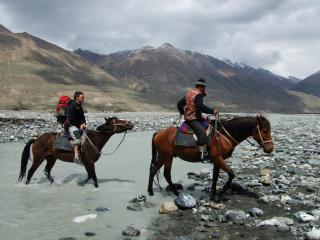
{"type": "Point", "coordinates": [203, 152]}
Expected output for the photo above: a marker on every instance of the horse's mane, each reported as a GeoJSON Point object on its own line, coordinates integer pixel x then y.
{"type": "Point", "coordinates": [238, 126]}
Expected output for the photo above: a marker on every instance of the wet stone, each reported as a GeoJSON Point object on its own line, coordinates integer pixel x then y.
{"type": "Point", "coordinates": [67, 238]}
{"type": "Point", "coordinates": [314, 234]}
{"type": "Point", "coordinates": [185, 201]}
{"type": "Point", "coordinates": [89, 234]}
{"type": "Point", "coordinates": [236, 216]}
{"type": "Point", "coordinates": [101, 209]}
{"type": "Point", "coordinates": [303, 217]}
{"type": "Point", "coordinates": [131, 231]}
{"type": "Point", "coordinates": [167, 207]}
{"type": "Point", "coordinates": [134, 207]}
{"type": "Point", "coordinates": [255, 212]}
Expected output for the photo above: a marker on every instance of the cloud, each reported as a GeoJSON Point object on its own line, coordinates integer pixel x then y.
{"type": "Point", "coordinates": [281, 36]}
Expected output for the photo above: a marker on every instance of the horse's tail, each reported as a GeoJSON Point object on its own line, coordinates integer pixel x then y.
{"type": "Point", "coordinates": [154, 151]}
{"type": "Point", "coordinates": [24, 159]}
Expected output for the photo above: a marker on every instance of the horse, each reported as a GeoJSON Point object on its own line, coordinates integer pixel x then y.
{"type": "Point", "coordinates": [229, 134]}
{"type": "Point", "coordinates": [42, 148]}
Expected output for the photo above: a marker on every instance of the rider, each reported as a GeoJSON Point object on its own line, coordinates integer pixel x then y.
{"type": "Point", "coordinates": [192, 107]}
{"type": "Point", "coordinates": [76, 122]}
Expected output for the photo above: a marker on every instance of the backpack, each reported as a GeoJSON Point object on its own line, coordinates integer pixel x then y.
{"type": "Point", "coordinates": [61, 109]}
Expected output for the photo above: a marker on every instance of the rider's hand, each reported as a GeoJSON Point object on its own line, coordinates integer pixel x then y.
{"type": "Point", "coordinates": [215, 111]}
{"type": "Point", "coordinates": [83, 126]}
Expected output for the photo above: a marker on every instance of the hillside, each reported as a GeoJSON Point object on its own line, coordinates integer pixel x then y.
{"type": "Point", "coordinates": [310, 85]}
{"type": "Point", "coordinates": [163, 75]}
{"type": "Point", "coordinates": [34, 72]}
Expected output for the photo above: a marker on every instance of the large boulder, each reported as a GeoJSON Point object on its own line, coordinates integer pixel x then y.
{"type": "Point", "coordinates": [185, 201]}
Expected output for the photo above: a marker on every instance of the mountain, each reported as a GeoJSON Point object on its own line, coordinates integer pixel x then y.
{"type": "Point", "coordinates": [34, 72]}
{"type": "Point", "coordinates": [310, 85]}
{"type": "Point", "coordinates": [163, 75]}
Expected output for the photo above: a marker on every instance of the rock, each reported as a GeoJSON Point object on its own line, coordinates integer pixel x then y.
{"type": "Point", "coordinates": [191, 188]}
{"type": "Point", "coordinates": [205, 173]}
{"type": "Point", "coordinates": [185, 201]}
{"type": "Point", "coordinates": [284, 220]}
{"type": "Point", "coordinates": [274, 222]}
{"type": "Point", "coordinates": [177, 186]}
{"type": "Point", "coordinates": [167, 207]}
{"type": "Point", "coordinates": [101, 209]}
{"type": "Point", "coordinates": [316, 214]}
{"type": "Point", "coordinates": [217, 206]}
{"type": "Point", "coordinates": [269, 199]}
{"type": "Point", "coordinates": [89, 234]}
{"type": "Point", "coordinates": [134, 207]}
{"type": "Point", "coordinates": [255, 212]}
{"type": "Point", "coordinates": [304, 217]}
{"type": "Point", "coordinates": [265, 180]}
{"type": "Point", "coordinates": [139, 198]}
{"type": "Point", "coordinates": [314, 234]}
{"type": "Point", "coordinates": [67, 238]}
{"type": "Point", "coordinates": [210, 224]}
{"type": "Point", "coordinates": [285, 199]}
{"type": "Point", "coordinates": [131, 231]}
{"type": "Point", "coordinates": [236, 216]}
{"type": "Point", "coordinates": [265, 172]}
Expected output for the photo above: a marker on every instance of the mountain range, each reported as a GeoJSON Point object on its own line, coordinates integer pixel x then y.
{"type": "Point", "coordinates": [163, 75]}
{"type": "Point", "coordinates": [34, 72]}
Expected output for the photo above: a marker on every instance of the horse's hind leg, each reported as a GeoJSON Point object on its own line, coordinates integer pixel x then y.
{"type": "Point", "coordinates": [167, 175]}
{"type": "Point", "coordinates": [35, 165]}
{"type": "Point", "coordinates": [216, 170]}
{"type": "Point", "coordinates": [47, 170]}
{"type": "Point", "coordinates": [158, 164]}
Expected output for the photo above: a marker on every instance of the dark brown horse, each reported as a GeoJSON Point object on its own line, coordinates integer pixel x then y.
{"type": "Point", "coordinates": [230, 133]}
{"type": "Point", "coordinates": [42, 149]}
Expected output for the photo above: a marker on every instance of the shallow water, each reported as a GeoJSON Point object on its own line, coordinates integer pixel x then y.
{"type": "Point", "coordinates": [44, 211]}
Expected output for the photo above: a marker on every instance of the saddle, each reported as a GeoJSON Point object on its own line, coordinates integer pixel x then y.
{"type": "Point", "coordinates": [185, 136]}
{"type": "Point", "coordinates": [63, 142]}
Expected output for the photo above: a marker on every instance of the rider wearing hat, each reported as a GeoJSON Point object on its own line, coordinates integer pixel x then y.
{"type": "Point", "coordinates": [192, 107]}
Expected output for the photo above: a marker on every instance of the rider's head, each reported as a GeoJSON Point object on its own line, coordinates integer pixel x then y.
{"type": "Point", "coordinates": [79, 97]}
{"type": "Point", "coordinates": [201, 85]}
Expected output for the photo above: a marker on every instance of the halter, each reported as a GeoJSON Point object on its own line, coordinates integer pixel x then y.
{"type": "Point", "coordinates": [114, 131]}
{"type": "Point", "coordinates": [261, 139]}
{"type": "Point", "coordinates": [261, 144]}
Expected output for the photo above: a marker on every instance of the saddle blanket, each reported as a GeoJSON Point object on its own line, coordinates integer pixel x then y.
{"type": "Point", "coordinates": [63, 142]}
{"type": "Point", "coordinates": [190, 140]}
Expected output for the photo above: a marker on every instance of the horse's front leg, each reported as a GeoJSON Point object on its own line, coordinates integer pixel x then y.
{"type": "Point", "coordinates": [215, 176]}
{"type": "Point", "coordinates": [89, 165]}
{"type": "Point", "coordinates": [230, 173]}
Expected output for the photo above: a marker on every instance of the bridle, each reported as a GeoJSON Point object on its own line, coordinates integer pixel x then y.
{"type": "Point", "coordinates": [114, 131]}
{"type": "Point", "coordinates": [261, 143]}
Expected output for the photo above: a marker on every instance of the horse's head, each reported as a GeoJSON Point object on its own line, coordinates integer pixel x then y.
{"type": "Point", "coordinates": [262, 134]}
{"type": "Point", "coordinates": [115, 125]}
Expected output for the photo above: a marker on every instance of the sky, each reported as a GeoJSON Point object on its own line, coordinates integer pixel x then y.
{"type": "Point", "coordinates": [281, 36]}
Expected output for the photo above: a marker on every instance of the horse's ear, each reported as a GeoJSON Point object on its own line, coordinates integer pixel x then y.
{"type": "Point", "coordinates": [259, 118]}
{"type": "Point", "coordinates": [106, 119]}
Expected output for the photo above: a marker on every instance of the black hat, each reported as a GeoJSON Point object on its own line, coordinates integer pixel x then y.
{"type": "Point", "coordinates": [201, 82]}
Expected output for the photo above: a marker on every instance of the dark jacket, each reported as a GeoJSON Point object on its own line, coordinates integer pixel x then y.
{"type": "Point", "coordinates": [74, 114]}
{"type": "Point", "coordinates": [200, 107]}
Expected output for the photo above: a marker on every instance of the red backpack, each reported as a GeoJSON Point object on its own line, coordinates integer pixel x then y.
{"type": "Point", "coordinates": [61, 109]}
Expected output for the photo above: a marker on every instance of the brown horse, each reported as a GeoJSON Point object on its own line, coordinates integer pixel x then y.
{"type": "Point", "coordinates": [223, 142]}
{"type": "Point", "coordinates": [42, 148]}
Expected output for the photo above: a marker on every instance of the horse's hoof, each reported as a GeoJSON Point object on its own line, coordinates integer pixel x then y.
{"type": "Point", "coordinates": [150, 193]}
{"type": "Point", "coordinates": [96, 185]}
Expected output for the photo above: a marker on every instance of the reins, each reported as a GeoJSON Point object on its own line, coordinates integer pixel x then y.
{"type": "Point", "coordinates": [114, 130]}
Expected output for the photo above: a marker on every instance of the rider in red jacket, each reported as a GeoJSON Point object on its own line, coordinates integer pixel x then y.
{"type": "Point", "coordinates": [192, 107]}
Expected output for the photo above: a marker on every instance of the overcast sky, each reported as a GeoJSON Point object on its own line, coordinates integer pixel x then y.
{"type": "Point", "coordinates": [281, 36]}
